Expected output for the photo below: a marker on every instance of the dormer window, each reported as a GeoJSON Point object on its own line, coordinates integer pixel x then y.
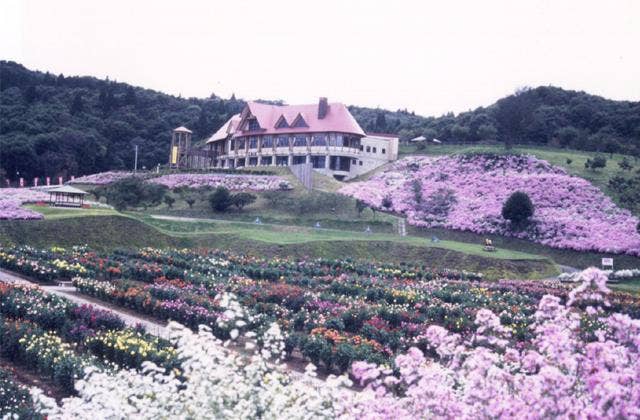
{"type": "Point", "coordinates": [282, 122]}
{"type": "Point", "coordinates": [253, 125]}
{"type": "Point", "coordinates": [299, 122]}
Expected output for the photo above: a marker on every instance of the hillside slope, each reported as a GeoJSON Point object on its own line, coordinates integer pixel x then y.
{"type": "Point", "coordinates": [56, 125]}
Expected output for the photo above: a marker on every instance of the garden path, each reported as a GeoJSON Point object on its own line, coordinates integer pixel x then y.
{"type": "Point", "coordinates": [294, 368]}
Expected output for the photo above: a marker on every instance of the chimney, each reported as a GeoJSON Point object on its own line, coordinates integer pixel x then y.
{"type": "Point", "coordinates": [323, 108]}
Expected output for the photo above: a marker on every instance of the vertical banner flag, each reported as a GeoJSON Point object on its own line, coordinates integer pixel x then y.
{"type": "Point", "coordinates": [73, 177]}
{"type": "Point", "coordinates": [174, 155]}
{"type": "Point", "coordinates": [48, 181]}
{"type": "Point", "coordinates": [59, 180]}
{"type": "Point", "coordinates": [8, 183]}
{"type": "Point", "coordinates": [21, 182]}
{"type": "Point", "coordinates": [35, 182]}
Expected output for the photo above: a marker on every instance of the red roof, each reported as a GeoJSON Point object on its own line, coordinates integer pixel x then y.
{"type": "Point", "coordinates": [338, 119]}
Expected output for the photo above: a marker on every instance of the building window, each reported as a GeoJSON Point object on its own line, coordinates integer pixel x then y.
{"type": "Point", "coordinates": [253, 143]}
{"type": "Point", "coordinates": [282, 122]}
{"type": "Point", "coordinates": [240, 163]}
{"type": "Point", "coordinates": [368, 149]}
{"type": "Point", "coordinates": [318, 162]}
{"type": "Point", "coordinates": [282, 160]}
{"type": "Point", "coordinates": [354, 161]}
{"type": "Point", "coordinates": [253, 124]}
{"type": "Point", "coordinates": [374, 150]}
{"type": "Point", "coordinates": [297, 160]}
{"type": "Point", "coordinates": [384, 151]}
{"type": "Point", "coordinates": [300, 141]}
{"type": "Point", "coordinates": [299, 122]}
{"type": "Point", "coordinates": [240, 144]}
{"type": "Point", "coordinates": [253, 161]}
{"type": "Point", "coordinates": [319, 140]}
{"type": "Point", "coordinates": [232, 145]}
{"type": "Point", "coordinates": [283, 141]}
{"type": "Point", "coordinates": [360, 163]}
{"type": "Point", "coordinates": [266, 160]}
{"type": "Point", "coordinates": [267, 141]}
{"type": "Point", "coordinates": [361, 148]}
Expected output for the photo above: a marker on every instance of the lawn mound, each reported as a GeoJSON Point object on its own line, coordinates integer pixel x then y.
{"type": "Point", "coordinates": [100, 232]}
{"type": "Point", "coordinates": [466, 192]}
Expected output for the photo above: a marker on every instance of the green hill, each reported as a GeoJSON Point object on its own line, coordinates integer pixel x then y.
{"type": "Point", "coordinates": [55, 125]}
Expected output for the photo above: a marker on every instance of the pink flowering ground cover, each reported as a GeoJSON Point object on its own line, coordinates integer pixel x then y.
{"type": "Point", "coordinates": [102, 178]}
{"type": "Point", "coordinates": [231, 182]}
{"type": "Point", "coordinates": [467, 193]}
{"type": "Point", "coordinates": [11, 200]}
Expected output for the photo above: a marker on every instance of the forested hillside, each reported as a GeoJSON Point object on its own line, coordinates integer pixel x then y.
{"type": "Point", "coordinates": [544, 116]}
{"type": "Point", "coordinates": [55, 125]}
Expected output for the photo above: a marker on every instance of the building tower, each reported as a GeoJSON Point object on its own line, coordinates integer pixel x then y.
{"type": "Point", "coordinates": [180, 148]}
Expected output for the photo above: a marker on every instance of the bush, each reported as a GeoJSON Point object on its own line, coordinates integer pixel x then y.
{"type": "Point", "coordinates": [360, 206]}
{"type": "Point", "coordinates": [169, 201]}
{"type": "Point", "coordinates": [518, 208]}
{"type": "Point", "coordinates": [597, 163]}
{"type": "Point", "coordinates": [133, 192]}
{"type": "Point", "coordinates": [386, 202]}
{"type": "Point", "coordinates": [243, 199]}
{"type": "Point", "coordinates": [220, 199]}
{"type": "Point", "coordinates": [190, 200]}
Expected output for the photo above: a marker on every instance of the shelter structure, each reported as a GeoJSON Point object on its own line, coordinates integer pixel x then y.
{"type": "Point", "coordinates": [66, 196]}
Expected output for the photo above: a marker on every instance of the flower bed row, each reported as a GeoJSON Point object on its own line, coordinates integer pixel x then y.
{"type": "Point", "coordinates": [79, 336]}
{"type": "Point", "coordinates": [581, 362]}
{"type": "Point", "coordinates": [231, 182]}
{"type": "Point", "coordinates": [467, 193]}
{"type": "Point", "coordinates": [15, 400]}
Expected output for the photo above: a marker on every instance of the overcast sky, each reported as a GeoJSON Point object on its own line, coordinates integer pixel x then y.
{"type": "Point", "coordinates": [428, 56]}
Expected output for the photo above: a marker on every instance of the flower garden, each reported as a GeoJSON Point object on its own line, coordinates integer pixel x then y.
{"type": "Point", "coordinates": [418, 343]}
{"type": "Point", "coordinates": [11, 200]}
{"type": "Point", "coordinates": [466, 192]}
{"type": "Point", "coordinates": [233, 182]}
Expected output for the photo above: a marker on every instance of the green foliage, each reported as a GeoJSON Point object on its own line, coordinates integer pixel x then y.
{"type": "Point", "coordinates": [78, 125]}
{"type": "Point", "coordinates": [190, 200]}
{"type": "Point", "coordinates": [569, 161]}
{"type": "Point", "coordinates": [596, 163]}
{"type": "Point", "coordinates": [243, 199]}
{"type": "Point", "coordinates": [220, 199]}
{"type": "Point", "coordinates": [168, 200]}
{"type": "Point", "coordinates": [627, 190]}
{"type": "Point", "coordinates": [387, 202]}
{"type": "Point", "coordinates": [360, 206]}
{"type": "Point", "coordinates": [625, 165]}
{"type": "Point", "coordinates": [416, 186]}
{"type": "Point", "coordinates": [518, 208]}
{"type": "Point", "coordinates": [133, 192]}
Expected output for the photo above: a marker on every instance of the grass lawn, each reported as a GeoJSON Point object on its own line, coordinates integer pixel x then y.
{"type": "Point", "coordinates": [53, 213]}
{"type": "Point", "coordinates": [279, 234]}
{"type": "Point", "coordinates": [632, 286]}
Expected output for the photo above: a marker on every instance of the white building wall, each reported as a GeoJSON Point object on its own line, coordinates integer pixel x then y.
{"type": "Point", "coordinates": [376, 151]}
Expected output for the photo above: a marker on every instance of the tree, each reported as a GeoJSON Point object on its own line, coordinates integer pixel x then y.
{"type": "Point", "coordinates": [169, 201]}
{"type": "Point", "coordinates": [77, 105]}
{"type": "Point", "coordinates": [220, 199]}
{"type": "Point", "coordinates": [360, 206]}
{"type": "Point", "coordinates": [513, 115]}
{"type": "Point", "coordinates": [518, 208]}
{"type": "Point", "coordinates": [569, 161]}
{"type": "Point", "coordinates": [638, 227]}
{"type": "Point", "coordinates": [387, 202]}
{"type": "Point", "coordinates": [596, 163]}
{"type": "Point", "coordinates": [487, 132]}
{"type": "Point", "coordinates": [243, 199]}
{"type": "Point", "coordinates": [190, 200]}
{"type": "Point", "coordinates": [625, 165]}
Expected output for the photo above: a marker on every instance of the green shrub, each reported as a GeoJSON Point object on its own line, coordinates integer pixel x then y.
{"type": "Point", "coordinates": [243, 199]}
{"type": "Point", "coordinates": [518, 208]}
{"type": "Point", "coordinates": [220, 199]}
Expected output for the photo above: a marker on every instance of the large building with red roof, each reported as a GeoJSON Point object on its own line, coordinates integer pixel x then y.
{"type": "Point", "coordinates": [324, 135]}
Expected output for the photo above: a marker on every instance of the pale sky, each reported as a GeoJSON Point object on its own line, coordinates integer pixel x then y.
{"type": "Point", "coordinates": [428, 56]}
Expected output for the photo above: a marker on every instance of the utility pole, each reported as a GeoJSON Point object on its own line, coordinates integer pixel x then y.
{"type": "Point", "coordinates": [135, 163]}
